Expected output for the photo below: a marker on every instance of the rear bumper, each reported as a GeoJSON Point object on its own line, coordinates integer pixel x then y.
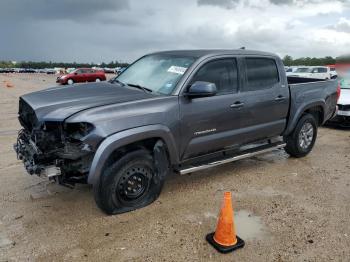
{"type": "Point", "coordinates": [343, 113]}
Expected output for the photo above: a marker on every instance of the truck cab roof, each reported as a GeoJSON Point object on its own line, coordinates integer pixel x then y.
{"type": "Point", "coordinates": [214, 52]}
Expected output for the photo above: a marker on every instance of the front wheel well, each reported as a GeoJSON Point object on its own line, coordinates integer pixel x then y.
{"type": "Point", "coordinates": [147, 144]}
{"type": "Point", "coordinates": [317, 113]}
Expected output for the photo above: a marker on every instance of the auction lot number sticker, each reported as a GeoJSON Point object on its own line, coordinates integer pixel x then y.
{"type": "Point", "coordinates": [177, 70]}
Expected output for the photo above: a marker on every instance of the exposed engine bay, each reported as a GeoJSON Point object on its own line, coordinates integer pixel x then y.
{"type": "Point", "coordinates": [53, 149]}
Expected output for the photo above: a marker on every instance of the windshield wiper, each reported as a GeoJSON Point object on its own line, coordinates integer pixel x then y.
{"type": "Point", "coordinates": [117, 81]}
{"type": "Point", "coordinates": [145, 89]}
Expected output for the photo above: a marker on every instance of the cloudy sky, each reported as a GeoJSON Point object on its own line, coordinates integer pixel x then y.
{"type": "Point", "coordinates": [106, 30]}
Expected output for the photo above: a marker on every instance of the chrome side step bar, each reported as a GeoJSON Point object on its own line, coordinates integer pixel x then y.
{"type": "Point", "coordinates": [232, 159]}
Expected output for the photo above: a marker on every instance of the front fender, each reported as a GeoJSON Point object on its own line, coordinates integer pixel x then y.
{"type": "Point", "coordinates": [126, 137]}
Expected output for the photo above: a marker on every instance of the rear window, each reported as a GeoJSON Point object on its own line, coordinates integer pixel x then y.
{"type": "Point", "coordinates": [319, 70]}
{"type": "Point", "coordinates": [303, 70]}
{"type": "Point", "coordinates": [262, 73]}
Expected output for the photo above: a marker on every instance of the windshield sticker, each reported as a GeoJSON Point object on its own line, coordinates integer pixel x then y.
{"type": "Point", "coordinates": [177, 70]}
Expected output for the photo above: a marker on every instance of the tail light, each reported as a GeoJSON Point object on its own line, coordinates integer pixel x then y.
{"type": "Point", "coordinates": [338, 91]}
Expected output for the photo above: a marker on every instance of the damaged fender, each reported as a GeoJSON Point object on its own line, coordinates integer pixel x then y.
{"type": "Point", "coordinates": [120, 139]}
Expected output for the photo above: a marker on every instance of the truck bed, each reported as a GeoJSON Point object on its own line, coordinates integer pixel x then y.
{"type": "Point", "coordinates": [306, 92]}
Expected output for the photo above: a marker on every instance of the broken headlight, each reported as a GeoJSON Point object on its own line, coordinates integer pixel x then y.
{"type": "Point", "coordinates": [78, 130]}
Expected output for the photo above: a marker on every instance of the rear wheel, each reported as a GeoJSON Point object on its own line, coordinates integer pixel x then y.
{"type": "Point", "coordinates": [128, 184]}
{"type": "Point", "coordinates": [70, 82]}
{"type": "Point", "coordinates": [98, 80]}
{"type": "Point", "coordinates": [301, 141]}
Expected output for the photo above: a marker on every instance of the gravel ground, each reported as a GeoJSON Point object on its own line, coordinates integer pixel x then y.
{"type": "Point", "coordinates": [286, 209]}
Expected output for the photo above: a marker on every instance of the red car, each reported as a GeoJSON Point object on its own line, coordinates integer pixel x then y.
{"type": "Point", "coordinates": [81, 75]}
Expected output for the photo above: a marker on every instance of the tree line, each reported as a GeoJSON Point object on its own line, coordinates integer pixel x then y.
{"type": "Point", "coordinates": [314, 61]}
{"type": "Point", "coordinates": [42, 64]}
{"type": "Point", "coordinates": [287, 60]}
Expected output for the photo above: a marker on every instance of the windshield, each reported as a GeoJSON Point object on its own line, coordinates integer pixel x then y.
{"type": "Point", "coordinates": [158, 73]}
{"type": "Point", "coordinates": [302, 70]}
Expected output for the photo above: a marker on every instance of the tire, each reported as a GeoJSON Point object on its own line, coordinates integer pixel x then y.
{"type": "Point", "coordinates": [98, 80]}
{"type": "Point", "coordinates": [128, 184]}
{"type": "Point", "coordinates": [301, 141]}
{"type": "Point", "coordinates": [70, 81]}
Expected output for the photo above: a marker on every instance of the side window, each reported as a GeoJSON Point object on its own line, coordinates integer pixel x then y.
{"type": "Point", "coordinates": [322, 70]}
{"type": "Point", "coordinates": [223, 73]}
{"type": "Point", "coordinates": [261, 73]}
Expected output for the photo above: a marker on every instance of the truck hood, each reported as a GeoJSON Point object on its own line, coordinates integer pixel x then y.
{"type": "Point", "coordinates": [344, 98]}
{"type": "Point", "coordinates": [58, 103]}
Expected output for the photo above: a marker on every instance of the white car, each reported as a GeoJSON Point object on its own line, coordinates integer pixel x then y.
{"type": "Point", "coordinates": [317, 72]}
{"type": "Point", "coordinates": [290, 70]}
{"type": "Point", "coordinates": [343, 115]}
{"type": "Point", "coordinates": [302, 71]}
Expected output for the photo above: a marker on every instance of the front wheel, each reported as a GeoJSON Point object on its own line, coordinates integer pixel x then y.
{"type": "Point", "coordinates": [301, 141]}
{"type": "Point", "coordinates": [70, 82]}
{"type": "Point", "coordinates": [98, 80]}
{"type": "Point", "coordinates": [128, 184]}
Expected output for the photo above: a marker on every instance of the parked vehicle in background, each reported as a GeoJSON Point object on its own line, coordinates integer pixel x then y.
{"type": "Point", "coordinates": [119, 70]}
{"type": "Point", "coordinates": [7, 70]}
{"type": "Point", "coordinates": [320, 72]}
{"type": "Point", "coordinates": [50, 71]}
{"type": "Point", "coordinates": [81, 75]}
{"type": "Point", "coordinates": [333, 72]}
{"type": "Point", "coordinates": [175, 111]}
{"type": "Point", "coordinates": [316, 72]}
{"type": "Point", "coordinates": [70, 70]}
{"type": "Point", "coordinates": [290, 70]}
{"type": "Point", "coordinates": [343, 115]}
{"type": "Point", "coordinates": [30, 70]}
{"type": "Point", "coordinates": [300, 71]}
{"type": "Point", "coordinates": [109, 70]}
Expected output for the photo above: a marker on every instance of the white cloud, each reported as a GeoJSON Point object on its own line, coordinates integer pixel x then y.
{"type": "Point", "coordinates": [129, 29]}
{"type": "Point", "coordinates": [343, 25]}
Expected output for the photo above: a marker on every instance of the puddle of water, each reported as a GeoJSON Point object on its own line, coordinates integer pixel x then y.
{"type": "Point", "coordinates": [248, 226]}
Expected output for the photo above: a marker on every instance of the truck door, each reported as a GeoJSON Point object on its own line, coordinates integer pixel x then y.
{"type": "Point", "coordinates": [265, 95]}
{"type": "Point", "coordinates": [207, 122]}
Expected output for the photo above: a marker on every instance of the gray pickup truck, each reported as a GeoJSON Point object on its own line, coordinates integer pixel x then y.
{"type": "Point", "coordinates": [169, 112]}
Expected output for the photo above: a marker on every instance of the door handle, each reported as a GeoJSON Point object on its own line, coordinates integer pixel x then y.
{"type": "Point", "coordinates": [237, 104]}
{"type": "Point", "coordinates": [280, 98]}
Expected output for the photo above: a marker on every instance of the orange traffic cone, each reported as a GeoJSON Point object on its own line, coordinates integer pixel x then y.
{"type": "Point", "coordinates": [224, 239]}
{"type": "Point", "coordinates": [9, 85]}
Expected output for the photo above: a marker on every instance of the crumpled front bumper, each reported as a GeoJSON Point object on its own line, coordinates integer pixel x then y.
{"type": "Point", "coordinates": [32, 157]}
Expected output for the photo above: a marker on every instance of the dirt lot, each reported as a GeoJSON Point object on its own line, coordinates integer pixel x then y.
{"type": "Point", "coordinates": [286, 209]}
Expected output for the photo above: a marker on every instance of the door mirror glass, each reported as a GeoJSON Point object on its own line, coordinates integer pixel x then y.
{"type": "Point", "coordinates": [201, 89]}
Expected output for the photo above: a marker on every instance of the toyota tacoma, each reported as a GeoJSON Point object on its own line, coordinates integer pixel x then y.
{"type": "Point", "coordinates": [169, 112]}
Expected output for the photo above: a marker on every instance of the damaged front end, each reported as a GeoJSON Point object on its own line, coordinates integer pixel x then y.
{"type": "Point", "coordinates": [53, 149]}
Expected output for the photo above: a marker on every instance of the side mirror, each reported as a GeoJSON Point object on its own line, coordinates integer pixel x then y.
{"type": "Point", "coordinates": [201, 89]}
{"type": "Point", "coordinates": [75, 73]}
